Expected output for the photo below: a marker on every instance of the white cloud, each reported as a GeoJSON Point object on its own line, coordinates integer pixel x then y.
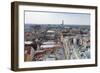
{"type": "Point", "coordinates": [56, 18]}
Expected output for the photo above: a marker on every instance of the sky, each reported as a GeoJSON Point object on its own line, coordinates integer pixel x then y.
{"type": "Point", "coordinates": [36, 17]}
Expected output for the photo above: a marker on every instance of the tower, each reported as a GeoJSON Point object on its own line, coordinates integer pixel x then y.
{"type": "Point", "coordinates": [62, 22]}
{"type": "Point", "coordinates": [62, 25]}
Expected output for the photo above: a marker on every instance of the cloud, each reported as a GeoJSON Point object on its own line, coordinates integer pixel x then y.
{"type": "Point", "coordinates": [32, 17]}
